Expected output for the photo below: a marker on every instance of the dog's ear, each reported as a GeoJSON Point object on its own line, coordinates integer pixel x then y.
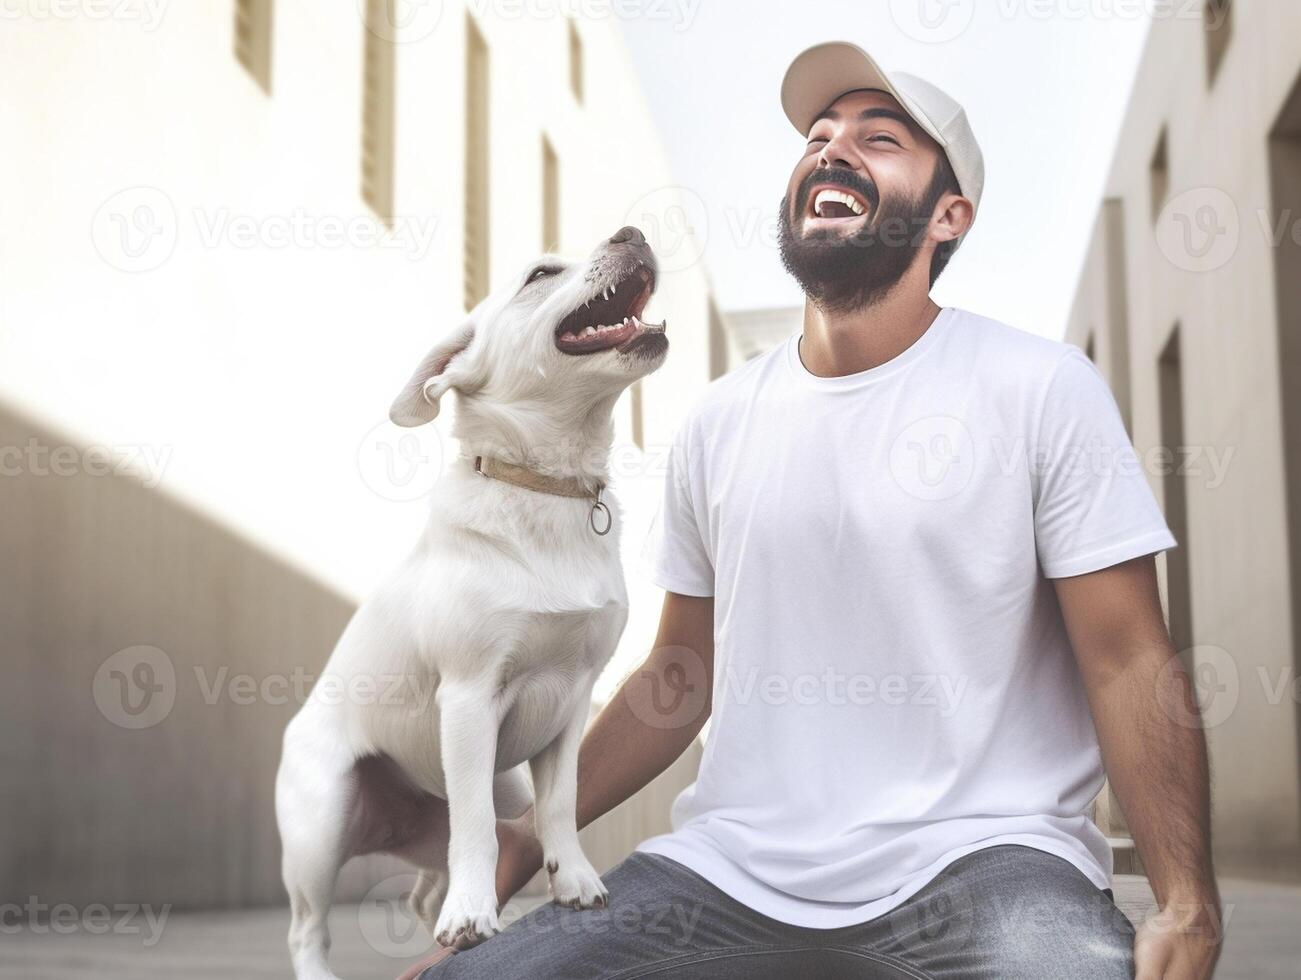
{"type": "Point", "coordinates": [418, 401]}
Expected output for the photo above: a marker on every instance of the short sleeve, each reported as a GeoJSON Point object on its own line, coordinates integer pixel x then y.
{"type": "Point", "coordinates": [1093, 506]}
{"type": "Point", "coordinates": [674, 555]}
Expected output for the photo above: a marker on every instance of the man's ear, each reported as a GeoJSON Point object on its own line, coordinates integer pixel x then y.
{"type": "Point", "coordinates": [418, 401]}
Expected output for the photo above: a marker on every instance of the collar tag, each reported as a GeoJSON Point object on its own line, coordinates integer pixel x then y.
{"type": "Point", "coordinates": [598, 506]}
{"type": "Point", "coordinates": [520, 476]}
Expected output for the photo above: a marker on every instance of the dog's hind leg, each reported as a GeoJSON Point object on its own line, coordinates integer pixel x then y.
{"type": "Point", "coordinates": [426, 898]}
{"type": "Point", "coordinates": [316, 791]}
{"type": "Point", "coordinates": [427, 850]}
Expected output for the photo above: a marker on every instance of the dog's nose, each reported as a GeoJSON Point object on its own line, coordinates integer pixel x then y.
{"type": "Point", "coordinates": [628, 234]}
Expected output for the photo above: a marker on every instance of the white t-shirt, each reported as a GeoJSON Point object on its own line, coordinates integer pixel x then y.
{"type": "Point", "coordinates": [893, 683]}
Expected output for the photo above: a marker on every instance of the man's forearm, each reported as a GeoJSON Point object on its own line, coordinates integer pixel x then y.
{"type": "Point", "coordinates": [1154, 749]}
{"type": "Point", "coordinates": [652, 718]}
{"type": "Point", "coordinates": [622, 752]}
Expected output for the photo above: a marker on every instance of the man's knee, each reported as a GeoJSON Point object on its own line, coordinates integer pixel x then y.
{"type": "Point", "coordinates": [1068, 930]}
{"type": "Point", "coordinates": [1066, 951]}
{"type": "Point", "coordinates": [1016, 913]}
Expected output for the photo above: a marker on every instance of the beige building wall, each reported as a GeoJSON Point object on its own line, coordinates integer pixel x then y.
{"type": "Point", "coordinates": [1184, 304]}
{"type": "Point", "coordinates": [205, 286]}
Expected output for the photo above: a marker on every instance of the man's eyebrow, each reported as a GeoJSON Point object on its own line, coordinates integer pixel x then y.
{"type": "Point", "coordinates": [873, 113]}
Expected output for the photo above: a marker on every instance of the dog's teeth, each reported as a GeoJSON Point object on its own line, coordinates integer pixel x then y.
{"type": "Point", "coordinates": [588, 331]}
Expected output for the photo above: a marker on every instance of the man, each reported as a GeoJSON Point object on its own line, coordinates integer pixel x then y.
{"type": "Point", "coordinates": [910, 553]}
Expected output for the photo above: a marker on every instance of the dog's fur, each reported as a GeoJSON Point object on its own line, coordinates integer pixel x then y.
{"type": "Point", "coordinates": [479, 653]}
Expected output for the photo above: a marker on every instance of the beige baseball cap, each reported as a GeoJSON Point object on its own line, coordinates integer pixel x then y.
{"type": "Point", "coordinates": [825, 72]}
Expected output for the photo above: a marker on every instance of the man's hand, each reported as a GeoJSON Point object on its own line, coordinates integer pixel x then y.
{"type": "Point", "coordinates": [1181, 942]}
{"type": "Point", "coordinates": [519, 855]}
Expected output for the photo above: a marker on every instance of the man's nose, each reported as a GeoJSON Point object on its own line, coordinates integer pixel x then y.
{"type": "Point", "coordinates": [628, 234]}
{"type": "Point", "coordinates": [836, 153]}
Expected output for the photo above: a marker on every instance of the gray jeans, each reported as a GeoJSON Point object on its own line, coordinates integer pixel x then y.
{"type": "Point", "coordinates": [1004, 913]}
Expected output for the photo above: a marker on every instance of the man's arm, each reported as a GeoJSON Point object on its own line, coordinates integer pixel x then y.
{"type": "Point", "coordinates": [1154, 750]}
{"type": "Point", "coordinates": [656, 713]}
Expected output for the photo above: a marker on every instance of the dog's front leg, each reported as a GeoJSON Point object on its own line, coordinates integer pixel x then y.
{"type": "Point", "coordinates": [574, 882]}
{"type": "Point", "coordinates": [469, 718]}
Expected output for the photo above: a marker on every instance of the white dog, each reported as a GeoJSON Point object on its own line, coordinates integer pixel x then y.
{"type": "Point", "coordinates": [507, 610]}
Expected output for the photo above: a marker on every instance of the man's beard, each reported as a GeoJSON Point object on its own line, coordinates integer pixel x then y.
{"type": "Point", "coordinates": [844, 273]}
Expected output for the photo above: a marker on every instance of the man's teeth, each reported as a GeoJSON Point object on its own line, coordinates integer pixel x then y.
{"type": "Point", "coordinates": [838, 197]}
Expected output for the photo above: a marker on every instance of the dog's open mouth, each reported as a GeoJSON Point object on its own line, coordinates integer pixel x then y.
{"type": "Point", "coordinates": [612, 320]}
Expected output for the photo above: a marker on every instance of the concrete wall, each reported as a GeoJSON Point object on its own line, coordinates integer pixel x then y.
{"type": "Point", "coordinates": [1210, 265]}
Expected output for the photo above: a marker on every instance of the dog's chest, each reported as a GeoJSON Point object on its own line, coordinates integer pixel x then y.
{"type": "Point", "coordinates": [547, 681]}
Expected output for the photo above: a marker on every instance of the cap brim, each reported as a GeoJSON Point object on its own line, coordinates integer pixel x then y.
{"type": "Point", "coordinates": [823, 73]}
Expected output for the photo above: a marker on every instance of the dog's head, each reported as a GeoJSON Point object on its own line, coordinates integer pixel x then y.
{"type": "Point", "coordinates": [561, 331]}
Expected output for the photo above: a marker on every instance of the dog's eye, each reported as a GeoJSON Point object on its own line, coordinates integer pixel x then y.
{"type": "Point", "coordinates": [540, 273]}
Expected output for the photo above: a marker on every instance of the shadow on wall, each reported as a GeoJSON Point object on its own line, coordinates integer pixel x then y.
{"type": "Point", "coordinates": [148, 777]}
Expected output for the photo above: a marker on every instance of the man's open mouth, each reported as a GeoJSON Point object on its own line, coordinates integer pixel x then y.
{"type": "Point", "coordinates": [836, 203]}
{"type": "Point", "coordinates": [612, 319]}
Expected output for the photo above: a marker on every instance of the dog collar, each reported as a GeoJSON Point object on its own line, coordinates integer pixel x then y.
{"type": "Point", "coordinates": [522, 476]}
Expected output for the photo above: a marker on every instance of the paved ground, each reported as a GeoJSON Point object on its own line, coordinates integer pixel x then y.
{"type": "Point", "coordinates": [377, 941]}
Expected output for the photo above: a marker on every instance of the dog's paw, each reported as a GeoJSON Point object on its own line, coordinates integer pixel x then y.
{"type": "Point", "coordinates": [575, 883]}
{"type": "Point", "coordinates": [466, 921]}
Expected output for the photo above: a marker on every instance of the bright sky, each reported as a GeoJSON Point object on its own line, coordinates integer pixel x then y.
{"type": "Point", "coordinates": [1045, 85]}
